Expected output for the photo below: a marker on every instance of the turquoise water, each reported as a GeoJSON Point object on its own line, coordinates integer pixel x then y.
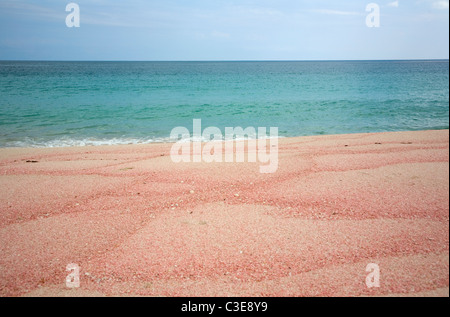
{"type": "Point", "coordinates": [89, 103]}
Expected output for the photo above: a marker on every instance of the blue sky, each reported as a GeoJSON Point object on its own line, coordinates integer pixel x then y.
{"type": "Point", "coordinates": [223, 30]}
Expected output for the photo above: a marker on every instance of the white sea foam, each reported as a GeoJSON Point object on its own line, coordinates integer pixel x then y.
{"type": "Point", "coordinates": [82, 142]}
{"type": "Point", "coordinates": [67, 142]}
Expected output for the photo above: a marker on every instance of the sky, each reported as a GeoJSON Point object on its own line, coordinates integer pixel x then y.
{"type": "Point", "coordinates": [192, 30]}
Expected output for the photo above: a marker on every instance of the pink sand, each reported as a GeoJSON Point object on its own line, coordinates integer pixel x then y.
{"type": "Point", "coordinates": [138, 224]}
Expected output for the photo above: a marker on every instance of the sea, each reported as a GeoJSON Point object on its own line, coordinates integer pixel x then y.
{"type": "Point", "coordinates": [60, 104]}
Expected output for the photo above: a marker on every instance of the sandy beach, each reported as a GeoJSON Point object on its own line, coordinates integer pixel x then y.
{"type": "Point", "coordinates": [138, 224]}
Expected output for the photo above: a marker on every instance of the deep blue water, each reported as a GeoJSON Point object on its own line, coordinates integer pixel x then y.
{"type": "Point", "coordinates": [85, 103]}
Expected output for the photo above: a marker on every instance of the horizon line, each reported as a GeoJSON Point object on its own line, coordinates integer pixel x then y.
{"type": "Point", "coordinates": [231, 60]}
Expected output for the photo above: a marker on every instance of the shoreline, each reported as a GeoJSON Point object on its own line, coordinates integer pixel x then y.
{"type": "Point", "coordinates": [138, 224]}
{"type": "Point", "coordinates": [204, 142]}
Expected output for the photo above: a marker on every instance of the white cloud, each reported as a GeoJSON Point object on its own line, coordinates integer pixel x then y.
{"type": "Point", "coordinates": [441, 5]}
{"type": "Point", "coordinates": [23, 8]}
{"type": "Point", "coordinates": [394, 4]}
{"type": "Point", "coordinates": [336, 12]}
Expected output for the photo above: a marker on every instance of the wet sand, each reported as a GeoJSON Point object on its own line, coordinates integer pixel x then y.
{"type": "Point", "coordinates": [138, 224]}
